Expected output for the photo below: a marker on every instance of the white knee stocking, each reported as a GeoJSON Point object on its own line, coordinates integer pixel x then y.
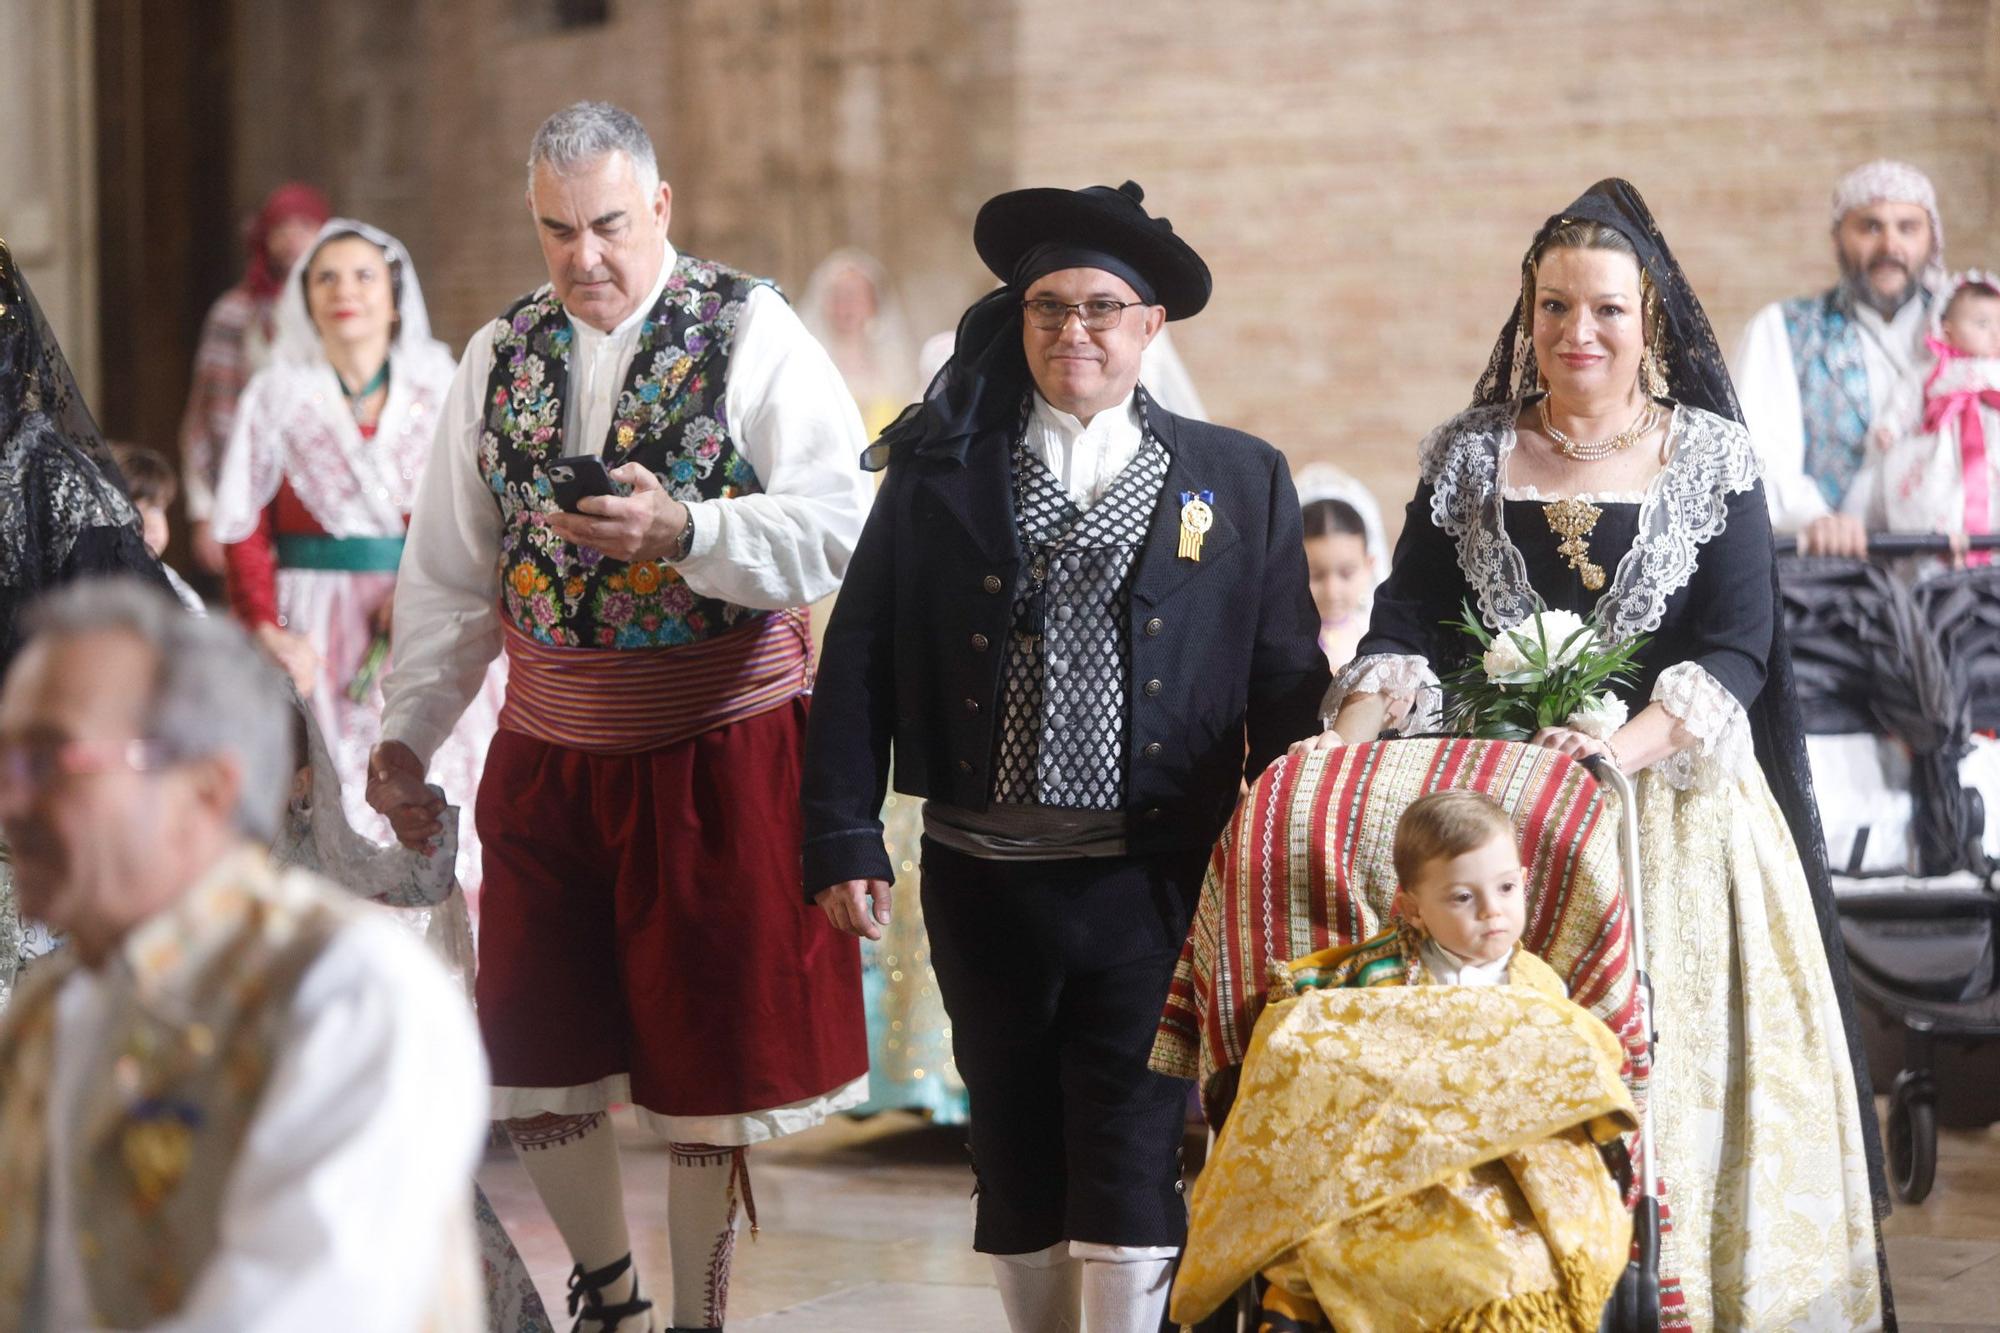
{"type": "Point", "coordinates": [1041, 1291]}
{"type": "Point", "coordinates": [702, 1188]}
{"type": "Point", "coordinates": [573, 1161]}
{"type": "Point", "coordinates": [1125, 1287]}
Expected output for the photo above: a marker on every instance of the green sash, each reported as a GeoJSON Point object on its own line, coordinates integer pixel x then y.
{"type": "Point", "coordinates": [351, 555]}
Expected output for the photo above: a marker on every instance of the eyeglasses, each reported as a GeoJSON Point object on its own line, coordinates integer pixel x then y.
{"type": "Point", "coordinates": [1097, 316]}
{"type": "Point", "coordinates": [31, 765]}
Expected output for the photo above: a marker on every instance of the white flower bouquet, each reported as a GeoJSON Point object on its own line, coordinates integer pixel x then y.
{"type": "Point", "coordinates": [1554, 669]}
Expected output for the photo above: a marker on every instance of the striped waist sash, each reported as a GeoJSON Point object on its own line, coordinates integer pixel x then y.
{"type": "Point", "coordinates": [350, 555]}
{"type": "Point", "coordinates": [627, 701]}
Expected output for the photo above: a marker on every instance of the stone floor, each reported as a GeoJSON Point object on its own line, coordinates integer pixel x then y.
{"type": "Point", "coordinates": [866, 1226]}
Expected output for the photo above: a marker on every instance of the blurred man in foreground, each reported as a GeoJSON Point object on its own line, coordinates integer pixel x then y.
{"type": "Point", "coordinates": [209, 1100]}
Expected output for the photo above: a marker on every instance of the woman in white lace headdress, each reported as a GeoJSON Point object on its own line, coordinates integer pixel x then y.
{"type": "Point", "coordinates": [1346, 556]}
{"type": "Point", "coordinates": [850, 307]}
{"type": "Point", "coordinates": [1603, 469]}
{"type": "Point", "coordinates": [315, 493]}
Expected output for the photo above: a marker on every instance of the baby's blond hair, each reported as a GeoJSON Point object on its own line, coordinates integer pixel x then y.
{"type": "Point", "coordinates": [1445, 824]}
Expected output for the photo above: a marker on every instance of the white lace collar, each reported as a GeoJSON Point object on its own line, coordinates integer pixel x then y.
{"type": "Point", "coordinates": [1685, 507]}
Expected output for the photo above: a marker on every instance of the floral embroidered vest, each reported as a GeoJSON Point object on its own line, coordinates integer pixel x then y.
{"type": "Point", "coordinates": [669, 416]}
{"type": "Point", "coordinates": [169, 1097]}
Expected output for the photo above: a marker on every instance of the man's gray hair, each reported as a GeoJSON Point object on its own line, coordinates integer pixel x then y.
{"type": "Point", "coordinates": [582, 132]}
{"type": "Point", "coordinates": [214, 692]}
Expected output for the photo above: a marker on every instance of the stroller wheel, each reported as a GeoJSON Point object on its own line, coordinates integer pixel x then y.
{"type": "Point", "coordinates": [1912, 1141]}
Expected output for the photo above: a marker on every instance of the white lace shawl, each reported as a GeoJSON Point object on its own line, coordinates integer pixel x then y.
{"type": "Point", "coordinates": [316, 836]}
{"type": "Point", "coordinates": [1686, 507]}
{"type": "Point", "coordinates": [293, 422]}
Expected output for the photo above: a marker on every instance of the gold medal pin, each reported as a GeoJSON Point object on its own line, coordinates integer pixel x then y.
{"type": "Point", "coordinates": [1197, 517]}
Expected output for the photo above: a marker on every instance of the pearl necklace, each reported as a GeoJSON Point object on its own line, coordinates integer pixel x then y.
{"type": "Point", "coordinates": [1591, 453]}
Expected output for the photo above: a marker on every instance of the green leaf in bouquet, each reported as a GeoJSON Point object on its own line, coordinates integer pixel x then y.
{"type": "Point", "coordinates": [1468, 623]}
{"type": "Point", "coordinates": [1546, 692]}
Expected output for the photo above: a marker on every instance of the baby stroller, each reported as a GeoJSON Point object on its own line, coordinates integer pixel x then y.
{"type": "Point", "coordinates": [1868, 666]}
{"type": "Point", "coordinates": [1923, 956]}
{"type": "Point", "coordinates": [1919, 915]}
{"type": "Point", "coordinates": [1305, 864]}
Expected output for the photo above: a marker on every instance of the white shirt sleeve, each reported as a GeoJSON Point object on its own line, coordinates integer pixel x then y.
{"type": "Point", "coordinates": [447, 628]}
{"type": "Point", "coordinates": [1767, 385]}
{"type": "Point", "coordinates": [793, 420]}
{"type": "Point", "coordinates": [356, 1174]}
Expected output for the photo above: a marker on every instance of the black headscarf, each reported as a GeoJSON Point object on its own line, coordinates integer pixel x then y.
{"type": "Point", "coordinates": [35, 376]}
{"type": "Point", "coordinates": [63, 507]}
{"type": "Point", "coordinates": [1689, 354]}
{"type": "Point", "coordinates": [978, 387]}
{"type": "Point", "coordinates": [1698, 376]}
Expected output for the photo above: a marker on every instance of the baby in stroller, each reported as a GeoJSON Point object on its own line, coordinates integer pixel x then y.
{"type": "Point", "coordinates": [1421, 1158]}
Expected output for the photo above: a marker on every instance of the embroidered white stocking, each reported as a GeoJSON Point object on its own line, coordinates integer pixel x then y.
{"type": "Point", "coordinates": [573, 1161]}
{"type": "Point", "coordinates": [1041, 1291]}
{"type": "Point", "coordinates": [701, 1228]}
{"type": "Point", "coordinates": [1125, 1287]}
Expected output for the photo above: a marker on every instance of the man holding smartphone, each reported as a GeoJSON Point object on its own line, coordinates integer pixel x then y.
{"type": "Point", "coordinates": [642, 939]}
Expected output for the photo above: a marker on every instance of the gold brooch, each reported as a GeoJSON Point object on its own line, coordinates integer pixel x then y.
{"type": "Point", "coordinates": [1197, 517]}
{"type": "Point", "coordinates": [1572, 520]}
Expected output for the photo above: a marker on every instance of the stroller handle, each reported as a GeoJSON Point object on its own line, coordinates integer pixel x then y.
{"type": "Point", "coordinates": [1613, 777]}
{"type": "Point", "coordinates": [1610, 775]}
{"type": "Point", "coordinates": [1910, 543]}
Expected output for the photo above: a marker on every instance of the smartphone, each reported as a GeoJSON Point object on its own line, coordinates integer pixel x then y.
{"type": "Point", "coordinates": [574, 478]}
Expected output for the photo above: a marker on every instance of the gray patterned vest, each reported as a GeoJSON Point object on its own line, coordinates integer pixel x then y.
{"type": "Point", "coordinates": [669, 416]}
{"type": "Point", "coordinates": [1063, 714]}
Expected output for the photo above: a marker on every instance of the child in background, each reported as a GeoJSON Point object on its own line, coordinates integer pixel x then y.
{"type": "Point", "coordinates": [1934, 461]}
{"type": "Point", "coordinates": [150, 481]}
{"type": "Point", "coordinates": [1345, 555]}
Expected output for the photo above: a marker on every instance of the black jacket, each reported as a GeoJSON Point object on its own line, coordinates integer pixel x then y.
{"type": "Point", "coordinates": [1226, 669]}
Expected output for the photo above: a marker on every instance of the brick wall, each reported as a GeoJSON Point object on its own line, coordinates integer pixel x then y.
{"type": "Point", "coordinates": [787, 128]}
{"type": "Point", "coordinates": [1362, 175]}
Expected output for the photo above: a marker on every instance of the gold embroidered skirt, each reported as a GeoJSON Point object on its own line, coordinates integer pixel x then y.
{"type": "Point", "coordinates": [1755, 1117]}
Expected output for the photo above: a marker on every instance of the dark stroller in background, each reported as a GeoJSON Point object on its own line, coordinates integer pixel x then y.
{"type": "Point", "coordinates": [1920, 664]}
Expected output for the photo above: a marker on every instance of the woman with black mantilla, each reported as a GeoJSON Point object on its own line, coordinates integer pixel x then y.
{"type": "Point", "coordinates": [1072, 614]}
{"type": "Point", "coordinates": [64, 514]}
{"type": "Point", "coordinates": [1603, 468]}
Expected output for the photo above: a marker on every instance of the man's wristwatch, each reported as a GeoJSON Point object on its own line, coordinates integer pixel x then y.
{"type": "Point", "coordinates": [685, 545]}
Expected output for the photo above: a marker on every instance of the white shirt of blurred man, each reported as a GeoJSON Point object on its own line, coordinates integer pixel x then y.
{"type": "Point", "coordinates": [239, 1099]}
{"type": "Point", "coordinates": [1814, 372]}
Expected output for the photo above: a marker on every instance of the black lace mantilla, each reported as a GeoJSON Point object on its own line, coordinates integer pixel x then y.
{"type": "Point", "coordinates": [63, 508]}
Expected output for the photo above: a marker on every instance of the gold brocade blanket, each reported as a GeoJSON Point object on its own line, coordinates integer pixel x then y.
{"type": "Point", "coordinates": [1425, 1156]}
{"type": "Point", "coordinates": [1306, 863]}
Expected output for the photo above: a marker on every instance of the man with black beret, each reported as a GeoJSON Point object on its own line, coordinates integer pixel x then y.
{"type": "Point", "coordinates": [1079, 622]}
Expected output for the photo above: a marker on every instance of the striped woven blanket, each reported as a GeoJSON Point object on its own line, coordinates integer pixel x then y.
{"type": "Point", "coordinates": [1305, 863]}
